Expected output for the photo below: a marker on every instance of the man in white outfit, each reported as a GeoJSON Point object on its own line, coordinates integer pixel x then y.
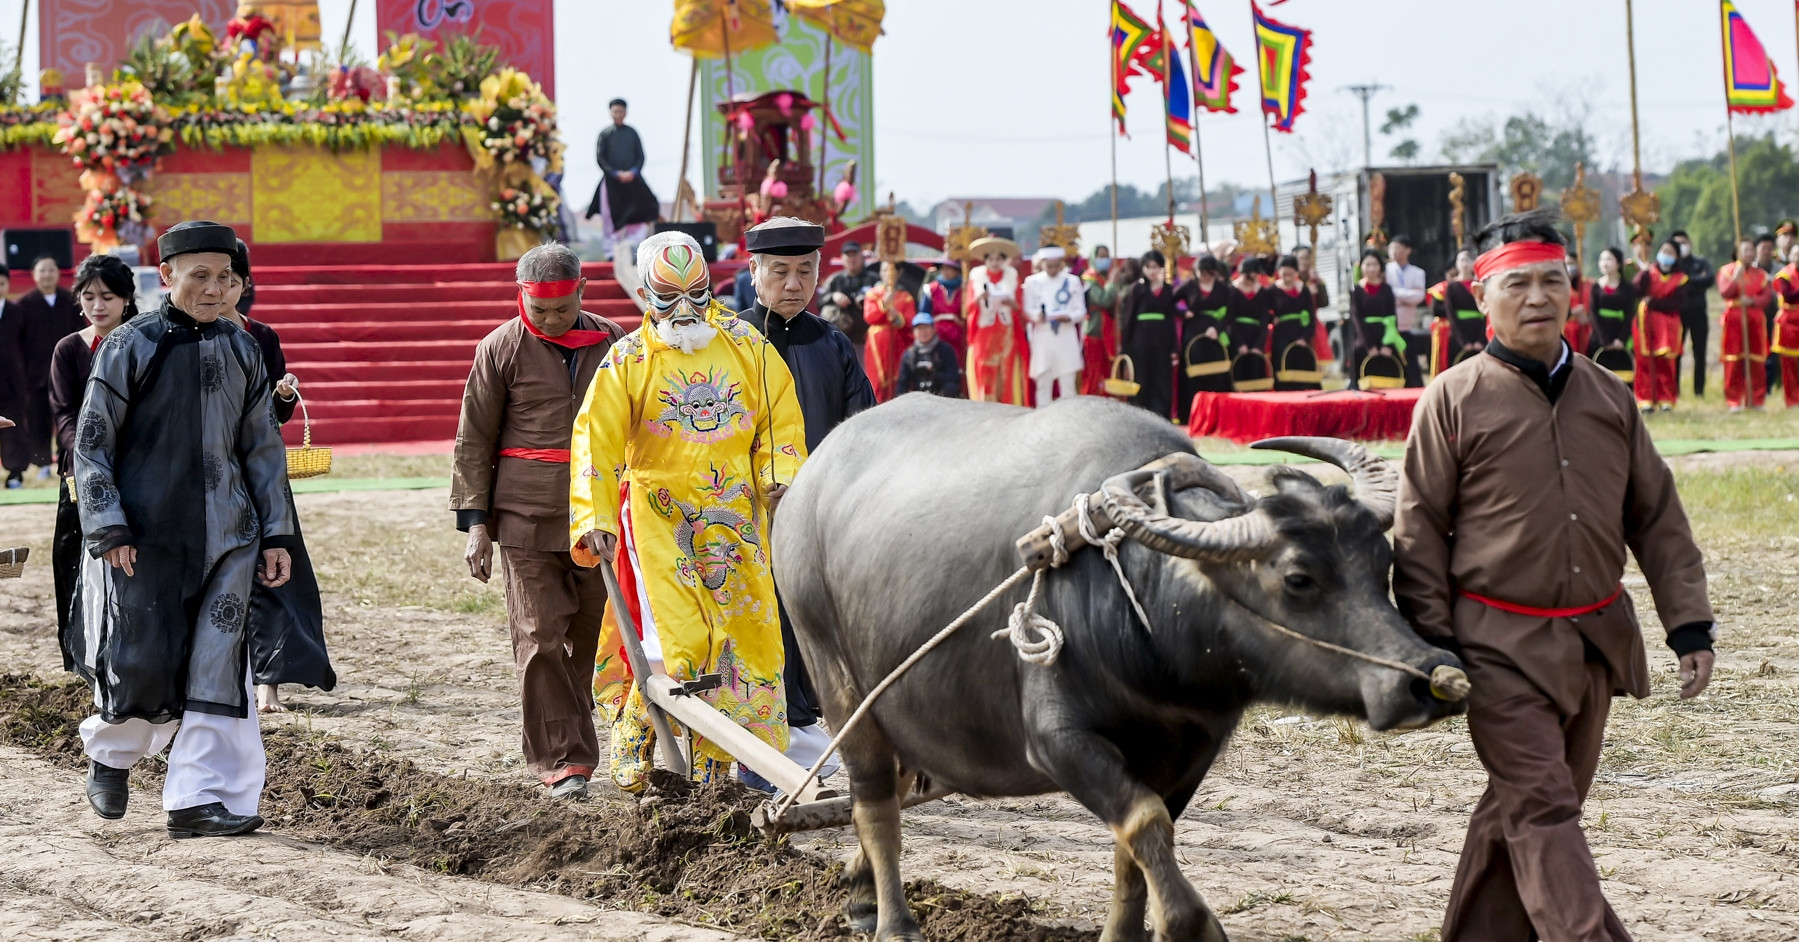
{"type": "Point", "coordinates": [1055, 305]}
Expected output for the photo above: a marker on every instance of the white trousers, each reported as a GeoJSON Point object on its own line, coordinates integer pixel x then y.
{"type": "Point", "coordinates": [214, 758]}
{"type": "Point", "coordinates": [1046, 385]}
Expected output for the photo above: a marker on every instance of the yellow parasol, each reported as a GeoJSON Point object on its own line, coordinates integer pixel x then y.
{"type": "Point", "coordinates": [856, 24]}
{"type": "Point", "coordinates": [714, 29]}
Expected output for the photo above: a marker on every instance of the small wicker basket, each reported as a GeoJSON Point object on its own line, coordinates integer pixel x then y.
{"type": "Point", "coordinates": [306, 461]}
{"type": "Point", "coordinates": [12, 562]}
{"type": "Point", "coordinates": [1123, 387]}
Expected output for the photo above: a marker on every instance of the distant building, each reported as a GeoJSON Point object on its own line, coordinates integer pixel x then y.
{"type": "Point", "coordinates": [1019, 214]}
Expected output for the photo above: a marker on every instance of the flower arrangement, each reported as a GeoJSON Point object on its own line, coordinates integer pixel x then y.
{"type": "Point", "coordinates": [116, 129]}
{"type": "Point", "coordinates": [516, 121]}
{"type": "Point", "coordinates": [110, 217]}
{"type": "Point", "coordinates": [528, 209]}
{"type": "Point", "coordinates": [31, 124]}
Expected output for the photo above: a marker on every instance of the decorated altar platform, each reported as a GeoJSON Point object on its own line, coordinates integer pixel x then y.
{"type": "Point", "coordinates": [1342, 413]}
{"type": "Point", "coordinates": [294, 204]}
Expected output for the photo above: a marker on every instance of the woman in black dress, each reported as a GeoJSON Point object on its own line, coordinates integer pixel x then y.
{"type": "Point", "coordinates": [1207, 296]}
{"type": "Point", "coordinates": [1295, 323]}
{"type": "Point", "coordinates": [106, 290]}
{"type": "Point", "coordinates": [1373, 317]}
{"type": "Point", "coordinates": [1612, 305]}
{"type": "Point", "coordinates": [287, 623]}
{"type": "Point", "coordinates": [1149, 333]}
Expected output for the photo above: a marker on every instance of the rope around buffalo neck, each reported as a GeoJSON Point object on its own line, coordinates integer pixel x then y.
{"type": "Point", "coordinates": [1038, 640]}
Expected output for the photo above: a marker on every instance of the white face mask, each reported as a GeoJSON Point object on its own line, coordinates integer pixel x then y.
{"type": "Point", "coordinates": [687, 338]}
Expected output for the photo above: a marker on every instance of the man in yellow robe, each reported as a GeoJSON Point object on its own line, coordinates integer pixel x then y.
{"type": "Point", "coordinates": [688, 437]}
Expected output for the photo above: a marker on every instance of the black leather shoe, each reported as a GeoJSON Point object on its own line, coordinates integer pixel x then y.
{"type": "Point", "coordinates": [210, 821]}
{"type": "Point", "coordinates": [107, 790]}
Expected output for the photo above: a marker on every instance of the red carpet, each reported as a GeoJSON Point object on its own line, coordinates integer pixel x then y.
{"type": "Point", "coordinates": [382, 351]}
{"type": "Point", "coordinates": [1246, 417]}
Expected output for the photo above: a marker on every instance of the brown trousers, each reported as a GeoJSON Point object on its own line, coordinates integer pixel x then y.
{"type": "Point", "coordinates": [1526, 872]}
{"type": "Point", "coordinates": [554, 608]}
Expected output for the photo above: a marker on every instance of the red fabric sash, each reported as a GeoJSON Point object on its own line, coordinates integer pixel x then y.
{"type": "Point", "coordinates": [550, 455]}
{"type": "Point", "coordinates": [1517, 255]}
{"type": "Point", "coordinates": [572, 339]}
{"type": "Point", "coordinates": [1535, 612]}
{"type": "Point", "coordinates": [1660, 285]}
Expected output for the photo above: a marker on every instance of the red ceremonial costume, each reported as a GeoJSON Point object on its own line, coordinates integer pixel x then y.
{"type": "Point", "coordinates": [1657, 336]}
{"type": "Point", "coordinates": [1786, 332]}
{"type": "Point", "coordinates": [888, 309]}
{"type": "Point", "coordinates": [1743, 305]}
{"type": "Point", "coordinates": [997, 357]}
{"type": "Point", "coordinates": [1457, 322]}
{"type": "Point", "coordinates": [946, 316]}
{"type": "Point", "coordinates": [1099, 345]}
{"type": "Point", "coordinates": [1579, 329]}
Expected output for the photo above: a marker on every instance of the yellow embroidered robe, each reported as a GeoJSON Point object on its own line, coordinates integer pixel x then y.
{"type": "Point", "coordinates": [695, 440]}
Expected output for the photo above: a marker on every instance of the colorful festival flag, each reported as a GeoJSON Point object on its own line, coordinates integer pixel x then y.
{"type": "Point", "coordinates": [1214, 71]}
{"type": "Point", "coordinates": [1130, 32]}
{"type": "Point", "coordinates": [1282, 54]}
{"type": "Point", "coordinates": [1750, 83]}
{"type": "Point", "coordinates": [1178, 92]}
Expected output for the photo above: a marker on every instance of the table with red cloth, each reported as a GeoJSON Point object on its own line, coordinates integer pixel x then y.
{"type": "Point", "coordinates": [1344, 413]}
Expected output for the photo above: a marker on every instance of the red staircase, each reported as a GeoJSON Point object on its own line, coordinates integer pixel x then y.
{"type": "Point", "coordinates": [382, 351]}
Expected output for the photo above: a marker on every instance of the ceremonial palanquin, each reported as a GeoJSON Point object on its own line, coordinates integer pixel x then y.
{"type": "Point", "coordinates": [675, 452]}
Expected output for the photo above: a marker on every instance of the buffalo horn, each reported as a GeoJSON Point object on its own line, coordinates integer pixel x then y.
{"type": "Point", "coordinates": [1376, 484]}
{"type": "Point", "coordinates": [1231, 540]}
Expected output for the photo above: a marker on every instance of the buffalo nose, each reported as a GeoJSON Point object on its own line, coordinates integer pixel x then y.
{"type": "Point", "coordinates": [1449, 684]}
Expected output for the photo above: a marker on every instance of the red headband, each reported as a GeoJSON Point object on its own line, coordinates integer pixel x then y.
{"type": "Point", "coordinates": [549, 289]}
{"type": "Point", "coordinates": [1517, 255]}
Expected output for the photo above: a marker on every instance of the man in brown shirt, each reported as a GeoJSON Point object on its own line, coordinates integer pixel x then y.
{"type": "Point", "coordinates": [1527, 474]}
{"type": "Point", "coordinates": [511, 483]}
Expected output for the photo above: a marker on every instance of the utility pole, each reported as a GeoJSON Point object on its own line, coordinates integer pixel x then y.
{"type": "Point", "coordinates": [1365, 92]}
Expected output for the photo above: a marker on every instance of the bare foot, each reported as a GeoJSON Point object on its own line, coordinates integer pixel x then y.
{"type": "Point", "coordinates": [268, 699]}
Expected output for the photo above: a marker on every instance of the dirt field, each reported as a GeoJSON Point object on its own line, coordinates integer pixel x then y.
{"type": "Point", "coordinates": [1308, 829]}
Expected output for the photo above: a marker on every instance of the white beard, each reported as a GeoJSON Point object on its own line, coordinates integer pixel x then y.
{"type": "Point", "coordinates": [687, 338]}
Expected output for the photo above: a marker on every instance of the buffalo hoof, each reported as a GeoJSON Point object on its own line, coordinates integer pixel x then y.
{"type": "Point", "coordinates": [863, 914]}
{"type": "Point", "coordinates": [909, 932]}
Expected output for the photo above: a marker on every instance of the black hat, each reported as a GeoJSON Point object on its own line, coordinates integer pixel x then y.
{"type": "Point", "coordinates": [240, 259]}
{"type": "Point", "coordinates": [197, 236]}
{"type": "Point", "coordinates": [785, 240]}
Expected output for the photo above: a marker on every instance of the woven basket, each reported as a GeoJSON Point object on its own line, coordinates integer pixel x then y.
{"type": "Point", "coordinates": [1380, 371]}
{"type": "Point", "coordinates": [306, 461]}
{"type": "Point", "coordinates": [1260, 384]}
{"type": "Point", "coordinates": [12, 562]}
{"type": "Point", "coordinates": [1123, 387]}
{"type": "Point", "coordinates": [1305, 371]}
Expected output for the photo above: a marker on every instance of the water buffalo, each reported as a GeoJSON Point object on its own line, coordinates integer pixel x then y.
{"type": "Point", "coordinates": [907, 514]}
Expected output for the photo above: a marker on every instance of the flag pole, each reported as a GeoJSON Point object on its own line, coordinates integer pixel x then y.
{"type": "Point", "coordinates": [824, 127]}
{"type": "Point", "coordinates": [1167, 158]}
{"type": "Point", "coordinates": [1112, 120]}
{"type": "Point", "coordinates": [1736, 206]}
{"type": "Point", "coordinates": [1274, 199]}
{"type": "Point", "coordinates": [1199, 157]}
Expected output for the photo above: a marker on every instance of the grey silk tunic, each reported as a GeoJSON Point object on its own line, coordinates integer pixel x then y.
{"type": "Point", "coordinates": [177, 453]}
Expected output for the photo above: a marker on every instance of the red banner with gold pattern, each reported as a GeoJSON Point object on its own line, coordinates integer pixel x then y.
{"type": "Point", "coordinates": [524, 30]}
{"type": "Point", "coordinates": [72, 33]}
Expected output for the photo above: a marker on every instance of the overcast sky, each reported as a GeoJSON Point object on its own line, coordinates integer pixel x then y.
{"type": "Point", "coordinates": [1009, 97]}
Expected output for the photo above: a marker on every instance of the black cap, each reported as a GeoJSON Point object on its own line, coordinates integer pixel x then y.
{"type": "Point", "coordinates": [240, 259]}
{"type": "Point", "coordinates": [196, 236]}
{"type": "Point", "coordinates": [785, 240]}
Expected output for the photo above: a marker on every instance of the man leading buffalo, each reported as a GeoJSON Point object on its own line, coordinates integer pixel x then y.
{"type": "Point", "coordinates": [1527, 475]}
{"type": "Point", "coordinates": [689, 436]}
{"type": "Point", "coordinates": [831, 386]}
